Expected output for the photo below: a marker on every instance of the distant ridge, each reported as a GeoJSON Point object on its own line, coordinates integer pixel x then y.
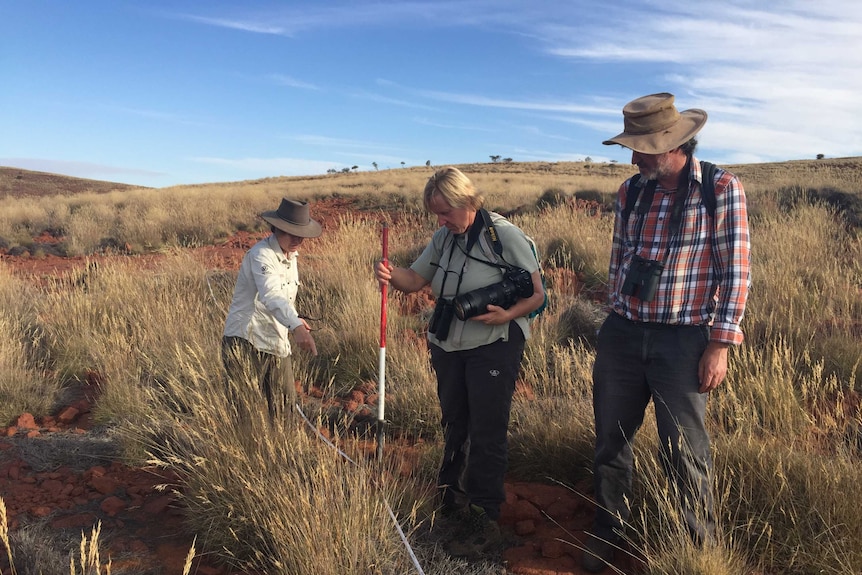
{"type": "Point", "coordinates": [17, 182]}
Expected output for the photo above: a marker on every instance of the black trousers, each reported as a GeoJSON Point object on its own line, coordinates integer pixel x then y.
{"type": "Point", "coordinates": [475, 389]}
{"type": "Point", "coordinates": [636, 363]}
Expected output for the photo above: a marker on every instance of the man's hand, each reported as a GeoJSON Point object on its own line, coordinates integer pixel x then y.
{"type": "Point", "coordinates": [713, 366]}
{"type": "Point", "coordinates": [302, 337]}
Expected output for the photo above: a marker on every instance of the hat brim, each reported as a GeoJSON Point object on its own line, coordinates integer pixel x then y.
{"type": "Point", "coordinates": [689, 124]}
{"type": "Point", "coordinates": [310, 230]}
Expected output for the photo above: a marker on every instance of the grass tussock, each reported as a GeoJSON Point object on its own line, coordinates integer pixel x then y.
{"type": "Point", "coordinates": [787, 423]}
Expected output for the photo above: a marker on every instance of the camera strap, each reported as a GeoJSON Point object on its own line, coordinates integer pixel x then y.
{"type": "Point", "coordinates": [472, 237]}
{"type": "Point", "coordinates": [483, 219]}
{"type": "Point", "coordinates": [648, 192]}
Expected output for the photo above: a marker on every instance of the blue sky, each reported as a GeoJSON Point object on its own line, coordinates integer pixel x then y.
{"type": "Point", "coordinates": [158, 92]}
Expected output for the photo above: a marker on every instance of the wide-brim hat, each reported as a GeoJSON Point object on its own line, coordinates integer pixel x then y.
{"type": "Point", "coordinates": [292, 217]}
{"type": "Point", "coordinates": [654, 126]}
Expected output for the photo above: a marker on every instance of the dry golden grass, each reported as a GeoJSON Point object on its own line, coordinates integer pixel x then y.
{"type": "Point", "coordinates": [787, 424]}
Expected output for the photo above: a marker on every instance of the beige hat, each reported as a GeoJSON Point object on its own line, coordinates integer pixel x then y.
{"type": "Point", "coordinates": [292, 217]}
{"type": "Point", "coordinates": [654, 126]}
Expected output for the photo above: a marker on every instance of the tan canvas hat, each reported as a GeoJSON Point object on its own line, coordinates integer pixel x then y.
{"type": "Point", "coordinates": [654, 126]}
{"type": "Point", "coordinates": [292, 217]}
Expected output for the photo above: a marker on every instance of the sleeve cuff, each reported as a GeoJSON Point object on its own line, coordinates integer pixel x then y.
{"type": "Point", "coordinates": [730, 334]}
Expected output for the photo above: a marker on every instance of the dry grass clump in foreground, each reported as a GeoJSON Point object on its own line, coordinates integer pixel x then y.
{"type": "Point", "coordinates": [35, 551]}
{"type": "Point", "coordinates": [787, 424]}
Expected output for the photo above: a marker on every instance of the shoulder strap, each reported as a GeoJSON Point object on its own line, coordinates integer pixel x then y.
{"type": "Point", "coordinates": [484, 221]}
{"type": "Point", "coordinates": [492, 231]}
{"type": "Point", "coordinates": [631, 196]}
{"type": "Point", "coordinates": [707, 188]}
{"type": "Point", "coordinates": [634, 190]}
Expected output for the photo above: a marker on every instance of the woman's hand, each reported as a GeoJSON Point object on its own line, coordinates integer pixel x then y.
{"type": "Point", "coordinates": [383, 272]}
{"type": "Point", "coordinates": [495, 315]}
{"type": "Point", "coordinates": [302, 337]}
{"type": "Point", "coordinates": [402, 279]}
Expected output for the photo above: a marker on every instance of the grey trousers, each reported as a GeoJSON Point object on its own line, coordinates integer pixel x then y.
{"type": "Point", "coordinates": [273, 374]}
{"type": "Point", "coordinates": [475, 389]}
{"type": "Point", "coordinates": [636, 363]}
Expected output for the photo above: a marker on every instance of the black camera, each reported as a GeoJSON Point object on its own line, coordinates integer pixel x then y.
{"type": "Point", "coordinates": [642, 279]}
{"type": "Point", "coordinates": [441, 319]}
{"type": "Point", "coordinates": [517, 283]}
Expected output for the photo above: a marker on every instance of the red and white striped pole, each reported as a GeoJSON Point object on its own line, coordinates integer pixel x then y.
{"type": "Point", "coordinates": [381, 369]}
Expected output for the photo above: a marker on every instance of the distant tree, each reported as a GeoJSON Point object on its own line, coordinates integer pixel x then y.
{"type": "Point", "coordinates": [345, 170]}
{"type": "Point", "coordinates": [428, 163]}
{"type": "Point", "coordinates": [613, 161]}
{"type": "Point", "coordinates": [354, 168]}
{"type": "Point", "coordinates": [507, 160]}
{"type": "Point", "coordinates": [494, 159]}
{"type": "Point", "coordinates": [375, 165]}
{"type": "Point", "coordinates": [402, 164]}
{"type": "Point", "coordinates": [588, 159]}
{"type": "Point", "coordinates": [331, 171]}
{"type": "Point", "coordinates": [820, 156]}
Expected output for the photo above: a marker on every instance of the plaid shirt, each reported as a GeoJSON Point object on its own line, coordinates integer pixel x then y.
{"type": "Point", "coordinates": [707, 267]}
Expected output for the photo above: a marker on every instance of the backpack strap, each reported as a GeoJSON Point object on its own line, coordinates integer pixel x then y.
{"type": "Point", "coordinates": [634, 190]}
{"type": "Point", "coordinates": [707, 191]}
{"type": "Point", "coordinates": [707, 187]}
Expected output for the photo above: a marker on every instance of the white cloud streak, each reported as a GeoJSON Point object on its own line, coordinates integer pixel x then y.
{"type": "Point", "coordinates": [780, 79]}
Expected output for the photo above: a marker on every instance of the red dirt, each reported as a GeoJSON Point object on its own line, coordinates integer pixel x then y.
{"type": "Point", "coordinates": [140, 521]}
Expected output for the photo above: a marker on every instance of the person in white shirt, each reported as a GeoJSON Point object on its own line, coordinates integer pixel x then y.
{"type": "Point", "coordinates": [262, 313]}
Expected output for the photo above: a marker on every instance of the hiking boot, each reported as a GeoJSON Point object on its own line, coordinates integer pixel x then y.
{"type": "Point", "coordinates": [598, 554]}
{"type": "Point", "coordinates": [480, 535]}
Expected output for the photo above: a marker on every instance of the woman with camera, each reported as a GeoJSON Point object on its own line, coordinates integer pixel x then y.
{"type": "Point", "coordinates": [485, 275]}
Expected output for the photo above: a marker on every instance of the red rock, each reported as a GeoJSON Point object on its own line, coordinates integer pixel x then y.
{"type": "Point", "coordinates": [83, 406]}
{"type": "Point", "coordinates": [41, 511]}
{"type": "Point", "coordinates": [77, 520]}
{"type": "Point", "coordinates": [351, 406]}
{"type": "Point", "coordinates": [104, 485]}
{"type": "Point", "coordinates": [112, 505]}
{"type": "Point", "coordinates": [26, 421]}
{"type": "Point", "coordinates": [524, 390]}
{"type": "Point", "coordinates": [525, 527]}
{"type": "Point", "coordinates": [520, 553]}
{"type": "Point", "coordinates": [553, 549]}
{"type": "Point", "coordinates": [68, 415]}
{"type": "Point", "coordinates": [52, 487]}
{"type": "Point", "coordinates": [523, 509]}
{"type": "Point", "coordinates": [564, 509]}
{"type": "Point", "coordinates": [158, 504]}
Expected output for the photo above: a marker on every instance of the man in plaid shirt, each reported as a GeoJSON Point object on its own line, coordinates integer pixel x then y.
{"type": "Point", "coordinates": [678, 285]}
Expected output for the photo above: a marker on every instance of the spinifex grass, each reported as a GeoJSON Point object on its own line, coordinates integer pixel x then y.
{"type": "Point", "coordinates": [786, 425]}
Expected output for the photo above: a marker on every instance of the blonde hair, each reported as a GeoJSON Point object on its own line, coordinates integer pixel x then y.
{"type": "Point", "coordinates": [454, 187]}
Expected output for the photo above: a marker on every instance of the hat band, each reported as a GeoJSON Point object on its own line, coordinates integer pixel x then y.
{"type": "Point", "coordinates": [651, 123]}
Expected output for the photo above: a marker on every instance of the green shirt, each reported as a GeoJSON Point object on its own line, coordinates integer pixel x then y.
{"type": "Point", "coordinates": [476, 274]}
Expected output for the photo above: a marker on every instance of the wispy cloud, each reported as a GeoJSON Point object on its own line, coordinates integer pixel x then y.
{"type": "Point", "coordinates": [379, 98]}
{"type": "Point", "coordinates": [89, 170]}
{"type": "Point", "coordinates": [775, 80]}
{"type": "Point", "coordinates": [158, 115]}
{"type": "Point", "coordinates": [268, 166]}
{"type": "Point", "coordinates": [244, 25]}
{"type": "Point", "coordinates": [286, 20]}
{"type": "Point", "coordinates": [447, 126]}
{"type": "Point", "coordinates": [329, 142]}
{"type": "Point", "coordinates": [290, 82]}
